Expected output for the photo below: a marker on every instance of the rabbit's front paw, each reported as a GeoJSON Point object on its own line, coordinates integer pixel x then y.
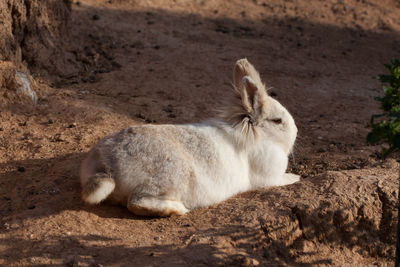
{"type": "Point", "coordinates": [290, 178]}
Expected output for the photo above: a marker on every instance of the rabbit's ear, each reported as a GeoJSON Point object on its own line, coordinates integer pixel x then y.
{"type": "Point", "coordinates": [251, 95]}
{"type": "Point", "coordinates": [244, 68]}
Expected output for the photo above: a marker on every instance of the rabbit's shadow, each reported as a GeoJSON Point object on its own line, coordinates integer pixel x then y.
{"type": "Point", "coordinates": [111, 210]}
{"type": "Point", "coordinates": [35, 188]}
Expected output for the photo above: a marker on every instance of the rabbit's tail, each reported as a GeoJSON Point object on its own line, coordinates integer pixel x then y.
{"type": "Point", "coordinates": [97, 188]}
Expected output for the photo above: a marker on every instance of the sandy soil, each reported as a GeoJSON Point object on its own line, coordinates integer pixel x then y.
{"type": "Point", "coordinates": [171, 62]}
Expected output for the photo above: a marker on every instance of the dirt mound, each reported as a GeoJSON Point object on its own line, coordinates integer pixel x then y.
{"type": "Point", "coordinates": [352, 209]}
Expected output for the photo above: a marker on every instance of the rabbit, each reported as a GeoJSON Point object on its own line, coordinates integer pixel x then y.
{"type": "Point", "coordinates": [161, 170]}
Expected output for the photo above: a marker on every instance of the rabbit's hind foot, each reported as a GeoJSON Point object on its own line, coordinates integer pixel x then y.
{"type": "Point", "coordinates": [152, 206]}
{"type": "Point", "coordinates": [98, 188]}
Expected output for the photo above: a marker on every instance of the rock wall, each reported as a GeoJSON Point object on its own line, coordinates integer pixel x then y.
{"type": "Point", "coordinates": [32, 35]}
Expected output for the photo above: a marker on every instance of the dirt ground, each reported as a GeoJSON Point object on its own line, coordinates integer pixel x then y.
{"type": "Point", "coordinates": [156, 61]}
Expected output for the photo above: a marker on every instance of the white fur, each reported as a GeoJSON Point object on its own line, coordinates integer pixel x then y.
{"type": "Point", "coordinates": [106, 187]}
{"type": "Point", "coordinates": [171, 169]}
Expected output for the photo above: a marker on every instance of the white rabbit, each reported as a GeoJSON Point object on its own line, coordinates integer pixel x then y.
{"type": "Point", "coordinates": [171, 169]}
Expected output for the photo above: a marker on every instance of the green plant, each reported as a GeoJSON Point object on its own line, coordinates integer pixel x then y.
{"type": "Point", "coordinates": [386, 126]}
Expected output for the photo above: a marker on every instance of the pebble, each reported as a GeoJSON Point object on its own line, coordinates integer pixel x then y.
{"type": "Point", "coordinates": [168, 109]}
{"type": "Point", "coordinates": [272, 93]}
{"type": "Point", "coordinates": [59, 137]}
{"type": "Point", "coordinates": [21, 168]}
{"type": "Point", "coordinates": [73, 263]}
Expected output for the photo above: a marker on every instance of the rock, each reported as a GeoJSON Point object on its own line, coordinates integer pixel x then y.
{"type": "Point", "coordinates": [24, 86]}
{"type": "Point", "coordinates": [245, 261]}
{"type": "Point", "coordinates": [21, 169]}
{"type": "Point", "coordinates": [73, 263]}
{"type": "Point", "coordinates": [33, 30]}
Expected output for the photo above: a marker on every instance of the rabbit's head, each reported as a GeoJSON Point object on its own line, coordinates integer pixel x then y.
{"type": "Point", "coordinates": [256, 115]}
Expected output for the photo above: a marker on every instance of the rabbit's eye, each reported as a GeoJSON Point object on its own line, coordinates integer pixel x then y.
{"type": "Point", "coordinates": [277, 121]}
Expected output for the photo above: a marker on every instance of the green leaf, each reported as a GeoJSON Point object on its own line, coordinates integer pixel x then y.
{"type": "Point", "coordinates": [385, 127]}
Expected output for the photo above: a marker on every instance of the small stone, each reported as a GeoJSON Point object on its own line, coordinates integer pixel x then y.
{"type": "Point", "coordinates": [168, 109]}
{"type": "Point", "coordinates": [92, 78]}
{"type": "Point", "coordinates": [31, 207]}
{"type": "Point", "coordinates": [95, 17]}
{"type": "Point", "coordinates": [21, 168]}
{"type": "Point", "coordinates": [222, 29]}
{"type": "Point", "coordinates": [272, 93]}
{"type": "Point", "coordinates": [59, 137]}
{"type": "Point", "coordinates": [254, 262]}
{"type": "Point", "coordinates": [73, 263]}
{"type": "Point", "coordinates": [140, 116]}
{"type": "Point", "coordinates": [14, 226]}
{"type": "Point", "coordinates": [247, 261]}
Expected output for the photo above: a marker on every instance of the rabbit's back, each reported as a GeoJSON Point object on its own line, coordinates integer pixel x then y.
{"type": "Point", "coordinates": [195, 164]}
